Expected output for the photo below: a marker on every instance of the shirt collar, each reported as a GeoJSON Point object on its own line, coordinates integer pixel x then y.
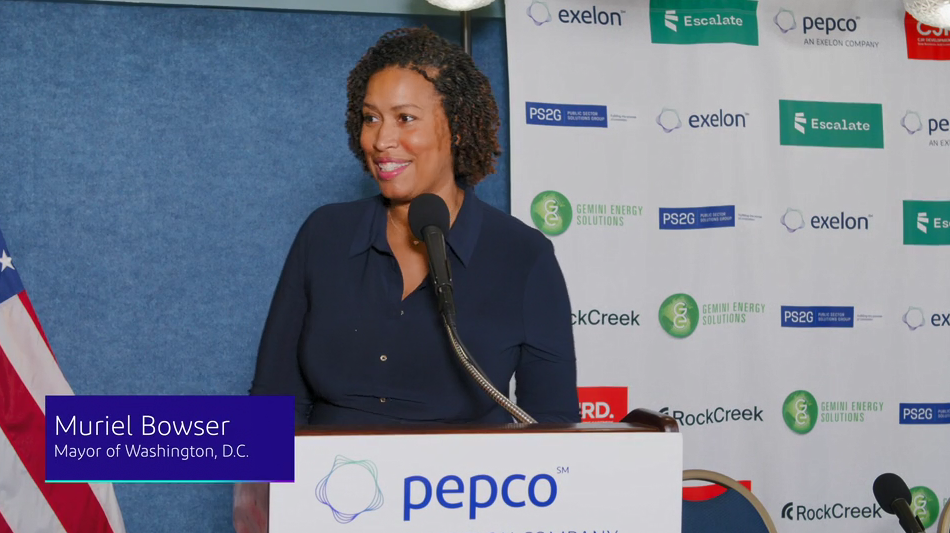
{"type": "Point", "coordinates": [371, 229]}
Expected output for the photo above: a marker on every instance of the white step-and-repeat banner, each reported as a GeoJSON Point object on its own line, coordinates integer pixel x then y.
{"type": "Point", "coordinates": [751, 205]}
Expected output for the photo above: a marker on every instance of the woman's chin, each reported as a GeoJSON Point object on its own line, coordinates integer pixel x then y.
{"type": "Point", "coordinates": [394, 192]}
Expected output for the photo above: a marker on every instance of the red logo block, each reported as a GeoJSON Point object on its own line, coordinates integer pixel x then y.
{"type": "Point", "coordinates": [926, 42]}
{"type": "Point", "coordinates": [602, 404]}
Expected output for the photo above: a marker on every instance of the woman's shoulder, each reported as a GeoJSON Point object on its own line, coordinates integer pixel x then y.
{"type": "Point", "coordinates": [508, 233]}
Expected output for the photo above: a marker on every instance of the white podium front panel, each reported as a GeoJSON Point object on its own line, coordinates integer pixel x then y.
{"type": "Point", "coordinates": [617, 482]}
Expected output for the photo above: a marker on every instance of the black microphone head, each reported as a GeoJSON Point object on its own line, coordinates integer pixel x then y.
{"type": "Point", "coordinates": [428, 210]}
{"type": "Point", "coordinates": [888, 488]}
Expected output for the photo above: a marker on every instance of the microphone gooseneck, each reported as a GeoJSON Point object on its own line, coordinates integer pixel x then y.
{"type": "Point", "coordinates": [429, 221]}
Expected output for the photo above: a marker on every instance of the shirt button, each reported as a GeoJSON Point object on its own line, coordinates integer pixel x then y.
{"type": "Point", "coordinates": [383, 357]}
{"type": "Point", "coordinates": [382, 400]}
{"type": "Point", "coordinates": [401, 312]}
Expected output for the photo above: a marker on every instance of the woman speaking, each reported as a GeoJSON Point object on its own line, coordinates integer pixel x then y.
{"type": "Point", "coordinates": [354, 331]}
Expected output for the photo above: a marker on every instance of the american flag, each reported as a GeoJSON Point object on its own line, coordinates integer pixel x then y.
{"type": "Point", "coordinates": [28, 373]}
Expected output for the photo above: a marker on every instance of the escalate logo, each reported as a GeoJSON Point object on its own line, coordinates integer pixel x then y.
{"type": "Point", "coordinates": [831, 124]}
{"type": "Point", "coordinates": [824, 30]}
{"type": "Point", "coordinates": [704, 21]}
{"type": "Point", "coordinates": [926, 42]}
{"type": "Point", "coordinates": [540, 13]}
{"type": "Point", "coordinates": [602, 404]}
{"type": "Point", "coordinates": [926, 222]}
{"type": "Point", "coordinates": [829, 511]}
{"type": "Point", "coordinates": [669, 120]}
{"type": "Point", "coordinates": [716, 415]}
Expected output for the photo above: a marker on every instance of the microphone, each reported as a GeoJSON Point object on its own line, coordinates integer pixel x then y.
{"type": "Point", "coordinates": [893, 496]}
{"type": "Point", "coordinates": [429, 222]}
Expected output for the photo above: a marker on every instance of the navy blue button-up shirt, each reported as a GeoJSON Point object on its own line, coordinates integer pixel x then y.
{"type": "Point", "coordinates": [340, 338]}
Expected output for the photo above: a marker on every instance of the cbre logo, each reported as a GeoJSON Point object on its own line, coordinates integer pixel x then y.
{"type": "Point", "coordinates": [602, 404]}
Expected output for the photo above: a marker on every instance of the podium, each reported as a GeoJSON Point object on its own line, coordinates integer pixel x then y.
{"type": "Point", "coordinates": [621, 477]}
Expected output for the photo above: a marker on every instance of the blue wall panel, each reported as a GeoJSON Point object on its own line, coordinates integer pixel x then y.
{"type": "Point", "coordinates": [155, 163]}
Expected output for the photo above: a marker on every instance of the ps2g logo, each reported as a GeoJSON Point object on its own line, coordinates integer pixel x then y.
{"type": "Point", "coordinates": [513, 486]}
{"type": "Point", "coordinates": [551, 213]}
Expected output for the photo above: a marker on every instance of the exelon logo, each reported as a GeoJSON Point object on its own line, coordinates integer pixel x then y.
{"type": "Point", "coordinates": [794, 220]}
{"type": "Point", "coordinates": [832, 511]}
{"type": "Point", "coordinates": [669, 120]}
{"type": "Point", "coordinates": [540, 14]}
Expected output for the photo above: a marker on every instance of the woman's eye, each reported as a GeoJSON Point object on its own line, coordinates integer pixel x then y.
{"type": "Point", "coordinates": [407, 118]}
{"type": "Point", "coordinates": [369, 118]}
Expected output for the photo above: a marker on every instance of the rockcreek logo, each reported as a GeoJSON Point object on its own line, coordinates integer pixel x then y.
{"type": "Point", "coordinates": [926, 42]}
{"type": "Point", "coordinates": [553, 213]}
{"type": "Point", "coordinates": [347, 505]}
{"type": "Point", "coordinates": [717, 415]}
{"type": "Point", "coordinates": [596, 317]}
{"type": "Point", "coordinates": [926, 222]}
{"type": "Point", "coordinates": [540, 14]}
{"type": "Point", "coordinates": [915, 318]}
{"type": "Point", "coordinates": [801, 411]}
{"type": "Point", "coordinates": [831, 124]}
{"type": "Point", "coordinates": [680, 315]}
{"type": "Point", "coordinates": [794, 220]}
{"type": "Point", "coordinates": [669, 120]}
{"type": "Point", "coordinates": [699, 21]}
{"type": "Point", "coordinates": [829, 511]}
{"type": "Point", "coordinates": [823, 30]}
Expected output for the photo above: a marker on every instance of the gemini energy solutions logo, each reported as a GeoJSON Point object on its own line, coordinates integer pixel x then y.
{"type": "Point", "coordinates": [699, 21]}
{"type": "Point", "coordinates": [679, 315]}
{"type": "Point", "coordinates": [800, 412]}
{"type": "Point", "coordinates": [831, 124]}
{"type": "Point", "coordinates": [551, 213]}
{"type": "Point", "coordinates": [924, 504]}
{"type": "Point", "coordinates": [927, 222]}
{"type": "Point", "coordinates": [350, 489]}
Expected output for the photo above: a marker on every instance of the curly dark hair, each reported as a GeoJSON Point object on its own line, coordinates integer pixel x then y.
{"type": "Point", "coordinates": [466, 96]}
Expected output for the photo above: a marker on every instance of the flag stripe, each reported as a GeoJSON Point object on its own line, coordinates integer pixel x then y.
{"type": "Point", "coordinates": [25, 426]}
{"type": "Point", "coordinates": [29, 355]}
{"type": "Point", "coordinates": [102, 491]}
{"type": "Point", "coordinates": [22, 505]}
{"type": "Point", "coordinates": [25, 300]}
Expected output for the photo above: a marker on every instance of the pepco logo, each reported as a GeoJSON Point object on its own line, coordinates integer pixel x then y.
{"type": "Point", "coordinates": [926, 42]}
{"type": "Point", "coordinates": [602, 404]}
